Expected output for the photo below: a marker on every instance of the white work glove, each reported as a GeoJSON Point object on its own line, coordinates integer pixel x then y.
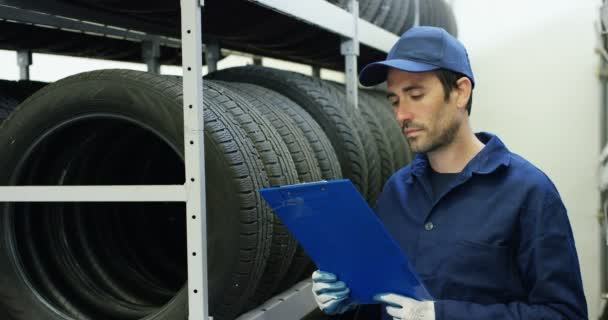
{"type": "Point", "coordinates": [404, 308]}
{"type": "Point", "coordinates": [332, 296]}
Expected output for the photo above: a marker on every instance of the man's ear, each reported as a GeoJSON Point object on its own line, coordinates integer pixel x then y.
{"type": "Point", "coordinates": [463, 90]}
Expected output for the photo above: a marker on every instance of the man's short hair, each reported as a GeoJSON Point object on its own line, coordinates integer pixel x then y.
{"type": "Point", "coordinates": [448, 80]}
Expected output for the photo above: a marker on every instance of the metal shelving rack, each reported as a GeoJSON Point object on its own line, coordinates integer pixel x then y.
{"type": "Point", "coordinates": [295, 302]}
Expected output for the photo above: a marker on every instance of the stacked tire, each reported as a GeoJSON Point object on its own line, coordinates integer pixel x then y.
{"type": "Point", "coordinates": [263, 128]}
{"type": "Point", "coordinates": [251, 28]}
{"type": "Point", "coordinates": [14, 92]}
{"type": "Point", "coordinates": [11, 94]}
{"type": "Point", "coordinates": [397, 16]}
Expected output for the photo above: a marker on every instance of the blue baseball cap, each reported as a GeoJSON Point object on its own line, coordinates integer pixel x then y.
{"type": "Point", "coordinates": [420, 49]}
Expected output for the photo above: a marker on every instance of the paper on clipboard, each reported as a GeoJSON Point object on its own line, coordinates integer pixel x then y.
{"type": "Point", "coordinates": [342, 235]}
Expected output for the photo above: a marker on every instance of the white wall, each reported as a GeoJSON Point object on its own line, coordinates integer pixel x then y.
{"type": "Point", "coordinates": [537, 88]}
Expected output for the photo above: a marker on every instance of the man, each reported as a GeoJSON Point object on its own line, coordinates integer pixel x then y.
{"type": "Point", "coordinates": [485, 229]}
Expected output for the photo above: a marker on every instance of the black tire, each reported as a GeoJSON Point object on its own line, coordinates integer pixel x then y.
{"type": "Point", "coordinates": [425, 13]}
{"type": "Point", "coordinates": [411, 17]}
{"type": "Point", "coordinates": [432, 12]}
{"type": "Point", "coordinates": [7, 105]}
{"type": "Point", "coordinates": [370, 10]}
{"type": "Point", "coordinates": [4, 309]}
{"type": "Point", "coordinates": [449, 19]}
{"type": "Point", "coordinates": [321, 146]}
{"type": "Point", "coordinates": [363, 7]}
{"type": "Point", "coordinates": [604, 315]}
{"type": "Point", "coordinates": [316, 98]}
{"type": "Point", "coordinates": [406, 19]}
{"type": "Point", "coordinates": [273, 152]}
{"type": "Point", "coordinates": [324, 155]}
{"type": "Point", "coordinates": [21, 89]}
{"type": "Point", "coordinates": [267, 104]}
{"type": "Point", "coordinates": [402, 155]}
{"type": "Point", "coordinates": [382, 13]}
{"type": "Point", "coordinates": [14, 92]}
{"type": "Point", "coordinates": [371, 114]}
{"type": "Point", "coordinates": [392, 20]}
{"type": "Point", "coordinates": [330, 170]}
{"type": "Point", "coordinates": [281, 171]}
{"type": "Point", "coordinates": [264, 101]}
{"type": "Point", "coordinates": [68, 138]}
{"type": "Point", "coordinates": [340, 3]}
{"type": "Point", "coordinates": [364, 131]}
{"type": "Point", "coordinates": [440, 20]}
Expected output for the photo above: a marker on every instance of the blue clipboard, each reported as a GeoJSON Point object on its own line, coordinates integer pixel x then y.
{"type": "Point", "coordinates": [342, 235]}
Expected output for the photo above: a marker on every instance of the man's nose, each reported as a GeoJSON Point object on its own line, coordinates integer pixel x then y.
{"type": "Point", "coordinates": [403, 114]}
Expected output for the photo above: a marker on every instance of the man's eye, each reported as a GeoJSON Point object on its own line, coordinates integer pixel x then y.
{"type": "Point", "coordinates": [394, 103]}
{"type": "Point", "coordinates": [417, 97]}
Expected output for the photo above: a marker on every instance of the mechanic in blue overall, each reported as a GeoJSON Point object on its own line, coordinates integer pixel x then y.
{"type": "Point", "coordinates": [486, 230]}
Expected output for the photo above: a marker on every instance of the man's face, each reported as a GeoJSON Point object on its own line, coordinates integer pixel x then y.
{"type": "Point", "coordinates": [428, 121]}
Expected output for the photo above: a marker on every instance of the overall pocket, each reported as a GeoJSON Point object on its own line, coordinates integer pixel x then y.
{"type": "Point", "coordinates": [478, 270]}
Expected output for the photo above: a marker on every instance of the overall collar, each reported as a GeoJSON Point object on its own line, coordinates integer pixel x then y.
{"type": "Point", "coordinates": [493, 155]}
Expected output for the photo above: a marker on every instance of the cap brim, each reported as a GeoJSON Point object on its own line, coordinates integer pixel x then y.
{"type": "Point", "coordinates": [375, 73]}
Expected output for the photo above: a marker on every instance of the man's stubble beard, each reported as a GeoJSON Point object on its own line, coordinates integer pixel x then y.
{"type": "Point", "coordinates": [434, 141]}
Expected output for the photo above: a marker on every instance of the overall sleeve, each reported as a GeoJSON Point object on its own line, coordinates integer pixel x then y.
{"type": "Point", "coordinates": [548, 263]}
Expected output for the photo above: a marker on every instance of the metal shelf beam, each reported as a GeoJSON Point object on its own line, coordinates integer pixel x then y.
{"type": "Point", "coordinates": [294, 303]}
{"type": "Point", "coordinates": [149, 193]}
{"type": "Point", "coordinates": [40, 19]}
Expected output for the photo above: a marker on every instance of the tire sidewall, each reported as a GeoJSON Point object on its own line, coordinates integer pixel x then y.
{"type": "Point", "coordinates": [56, 104]}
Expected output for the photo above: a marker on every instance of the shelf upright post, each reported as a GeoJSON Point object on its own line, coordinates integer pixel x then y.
{"type": "Point", "coordinates": [196, 212]}
{"type": "Point", "coordinates": [212, 55]}
{"type": "Point", "coordinates": [417, 13]}
{"type": "Point", "coordinates": [24, 60]}
{"type": "Point", "coordinates": [350, 51]}
{"type": "Point", "coordinates": [151, 55]}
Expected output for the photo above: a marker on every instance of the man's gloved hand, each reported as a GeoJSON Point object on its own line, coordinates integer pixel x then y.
{"type": "Point", "coordinates": [403, 308]}
{"type": "Point", "coordinates": [332, 296]}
